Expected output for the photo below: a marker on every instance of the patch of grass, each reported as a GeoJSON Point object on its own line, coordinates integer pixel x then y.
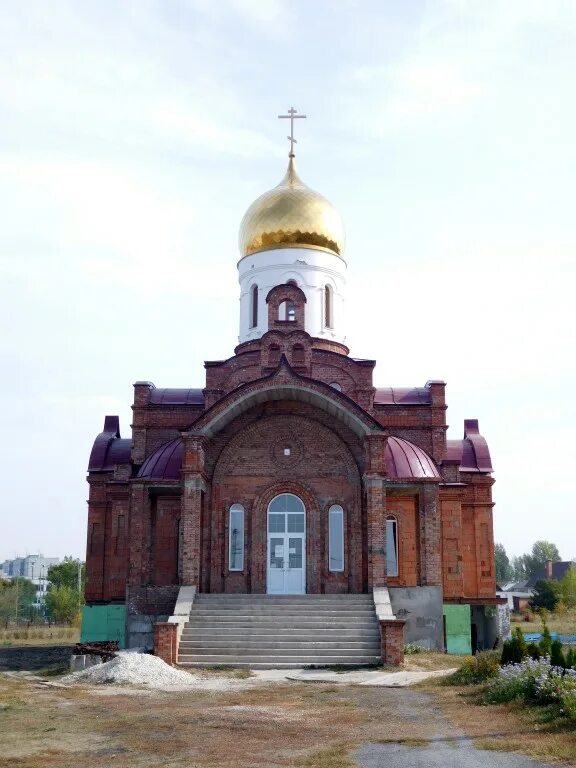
{"type": "Point", "coordinates": [564, 622]}
{"type": "Point", "coordinates": [331, 757]}
{"type": "Point", "coordinates": [39, 635]}
{"type": "Point", "coordinates": [408, 742]}
{"type": "Point", "coordinates": [238, 673]}
{"type": "Point", "coordinates": [53, 670]}
{"type": "Point", "coordinates": [432, 661]}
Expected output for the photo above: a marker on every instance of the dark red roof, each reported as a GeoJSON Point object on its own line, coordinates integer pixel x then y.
{"type": "Point", "coordinates": [165, 463]}
{"type": "Point", "coordinates": [471, 453]}
{"type": "Point", "coordinates": [109, 448]}
{"type": "Point", "coordinates": [165, 396]}
{"type": "Point", "coordinates": [406, 461]}
{"type": "Point", "coordinates": [402, 396]}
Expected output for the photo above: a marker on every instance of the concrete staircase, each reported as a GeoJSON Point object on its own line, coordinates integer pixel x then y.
{"type": "Point", "coordinates": [287, 631]}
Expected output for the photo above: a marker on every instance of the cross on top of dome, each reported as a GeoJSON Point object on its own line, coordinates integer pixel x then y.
{"type": "Point", "coordinates": [292, 115]}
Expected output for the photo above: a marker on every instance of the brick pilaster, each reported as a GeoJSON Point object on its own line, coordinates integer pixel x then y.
{"type": "Point", "coordinates": [375, 492]}
{"type": "Point", "coordinates": [430, 537]}
{"type": "Point", "coordinates": [166, 641]}
{"type": "Point", "coordinates": [194, 484]}
{"type": "Point", "coordinates": [392, 641]}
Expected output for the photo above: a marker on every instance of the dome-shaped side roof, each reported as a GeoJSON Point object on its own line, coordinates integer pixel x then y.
{"type": "Point", "coordinates": [165, 463]}
{"type": "Point", "coordinates": [291, 215]}
{"type": "Point", "coordinates": [406, 461]}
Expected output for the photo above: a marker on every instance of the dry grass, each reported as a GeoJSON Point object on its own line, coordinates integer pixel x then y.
{"type": "Point", "coordinates": [429, 661]}
{"type": "Point", "coordinates": [277, 726]}
{"type": "Point", "coordinates": [564, 622]}
{"type": "Point", "coordinates": [39, 635]}
{"type": "Point", "coordinates": [512, 727]}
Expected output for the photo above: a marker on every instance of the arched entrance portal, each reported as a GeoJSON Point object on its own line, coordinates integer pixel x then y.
{"type": "Point", "coordinates": [286, 572]}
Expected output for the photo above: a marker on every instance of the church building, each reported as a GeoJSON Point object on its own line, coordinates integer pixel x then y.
{"type": "Point", "coordinates": [288, 510]}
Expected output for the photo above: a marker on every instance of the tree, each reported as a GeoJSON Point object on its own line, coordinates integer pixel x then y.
{"type": "Point", "coordinates": [547, 594]}
{"type": "Point", "coordinates": [568, 587]}
{"type": "Point", "coordinates": [504, 570]}
{"type": "Point", "coordinates": [62, 603]}
{"type": "Point", "coordinates": [16, 599]}
{"type": "Point", "coordinates": [541, 552]}
{"type": "Point", "coordinates": [65, 574]}
{"type": "Point", "coordinates": [519, 568]}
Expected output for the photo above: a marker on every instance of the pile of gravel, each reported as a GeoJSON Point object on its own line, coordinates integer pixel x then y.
{"type": "Point", "coordinates": [151, 671]}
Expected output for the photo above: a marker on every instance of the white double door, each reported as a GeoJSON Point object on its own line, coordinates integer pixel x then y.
{"type": "Point", "coordinates": [286, 546]}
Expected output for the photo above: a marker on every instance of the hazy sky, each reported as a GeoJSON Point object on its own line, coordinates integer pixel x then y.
{"type": "Point", "coordinates": [133, 136]}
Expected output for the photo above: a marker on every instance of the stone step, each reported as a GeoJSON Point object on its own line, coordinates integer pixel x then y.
{"type": "Point", "coordinates": [229, 597]}
{"type": "Point", "coordinates": [270, 651]}
{"type": "Point", "coordinates": [263, 612]}
{"type": "Point", "coordinates": [188, 645]}
{"type": "Point", "coordinates": [286, 662]}
{"type": "Point", "coordinates": [279, 626]}
{"type": "Point", "coordinates": [297, 635]}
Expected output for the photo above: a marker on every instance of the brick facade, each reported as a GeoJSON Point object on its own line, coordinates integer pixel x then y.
{"type": "Point", "coordinates": [156, 530]}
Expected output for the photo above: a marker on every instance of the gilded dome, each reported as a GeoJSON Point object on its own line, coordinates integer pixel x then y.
{"type": "Point", "coordinates": [291, 215]}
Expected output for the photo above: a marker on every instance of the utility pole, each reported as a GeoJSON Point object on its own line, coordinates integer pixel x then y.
{"type": "Point", "coordinates": [79, 580]}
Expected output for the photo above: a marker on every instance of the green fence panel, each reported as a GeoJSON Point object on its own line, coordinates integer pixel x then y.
{"type": "Point", "coordinates": [458, 633]}
{"type": "Point", "coordinates": [103, 622]}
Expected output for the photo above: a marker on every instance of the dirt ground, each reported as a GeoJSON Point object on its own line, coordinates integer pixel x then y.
{"type": "Point", "coordinates": [303, 725]}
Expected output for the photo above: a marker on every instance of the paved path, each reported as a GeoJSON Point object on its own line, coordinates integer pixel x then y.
{"type": "Point", "coordinates": [442, 753]}
{"type": "Point", "coordinates": [357, 677]}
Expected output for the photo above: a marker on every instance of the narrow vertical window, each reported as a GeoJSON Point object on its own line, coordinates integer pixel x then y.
{"type": "Point", "coordinates": [336, 538]}
{"type": "Point", "coordinates": [328, 306]}
{"type": "Point", "coordinates": [391, 546]}
{"type": "Point", "coordinates": [236, 538]}
{"type": "Point", "coordinates": [254, 306]}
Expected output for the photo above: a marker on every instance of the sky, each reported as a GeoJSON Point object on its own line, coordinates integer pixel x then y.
{"type": "Point", "coordinates": [134, 135]}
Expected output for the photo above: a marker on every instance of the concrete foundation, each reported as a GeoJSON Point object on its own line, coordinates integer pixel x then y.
{"type": "Point", "coordinates": [421, 607]}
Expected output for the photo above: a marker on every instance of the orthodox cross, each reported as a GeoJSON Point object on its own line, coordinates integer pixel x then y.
{"type": "Point", "coordinates": [292, 115]}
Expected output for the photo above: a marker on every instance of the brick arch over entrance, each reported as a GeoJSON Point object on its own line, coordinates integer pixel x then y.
{"type": "Point", "coordinates": [254, 467]}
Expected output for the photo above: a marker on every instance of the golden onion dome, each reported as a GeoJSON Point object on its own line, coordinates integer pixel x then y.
{"type": "Point", "coordinates": [289, 216]}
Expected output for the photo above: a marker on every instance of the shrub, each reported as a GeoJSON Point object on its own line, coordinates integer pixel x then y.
{"type": "Point", "coordinates": [571, 658]}
{"type": "Point", "coordinates": [477, 669]}
{"type": "Point", "coordinates": [411, 648]}
{"type": "Point", "coordinates": [515, 649]}
{"type": "Point", "coordinates": [556, 656]}
{"type": "Point", "coordinates": [533, 651]}
{"type": "Point", "coordinates": [545, 643]}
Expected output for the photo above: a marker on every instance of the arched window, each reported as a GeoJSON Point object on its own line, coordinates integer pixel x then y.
{"type": "Point", "coordinates": [236, 538]}
{"type": "Point", "coordinates": [254, 306]}
{"type": "Point", "coordinates": [328, 319]}
{"type": "Point", "coordinates": [298, 355]}
{"type": "Point", "coordinates": [287, 311]}
{"type": "Point", "coordinates": [391, 546]}
{"type": "Point", "coordinates": [335, 538]}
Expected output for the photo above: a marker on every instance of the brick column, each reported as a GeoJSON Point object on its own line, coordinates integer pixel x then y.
{"type": "Point", "coordinates": [375, 494]}
{"type": "Point", "coordinates": [194, 489]}
{"type": "Point", "coordinates": [392, 641]}
{"type": "Point", "coordinates": [166, 641]}
{"type": "Point", "coordinates": [430, 537]}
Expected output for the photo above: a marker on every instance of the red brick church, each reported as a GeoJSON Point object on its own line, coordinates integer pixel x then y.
{"type": "Point", "coordinates": [289, 495]}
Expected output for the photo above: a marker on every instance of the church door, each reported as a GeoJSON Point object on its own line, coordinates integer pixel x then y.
{"type": "Point", "coordinates": [286, 546]}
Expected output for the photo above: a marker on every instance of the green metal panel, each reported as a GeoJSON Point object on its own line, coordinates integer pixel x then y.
{"type": "Point", "coordinates": [458, 634]}
{"type": "Point", "coordinates": [103, 622]}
